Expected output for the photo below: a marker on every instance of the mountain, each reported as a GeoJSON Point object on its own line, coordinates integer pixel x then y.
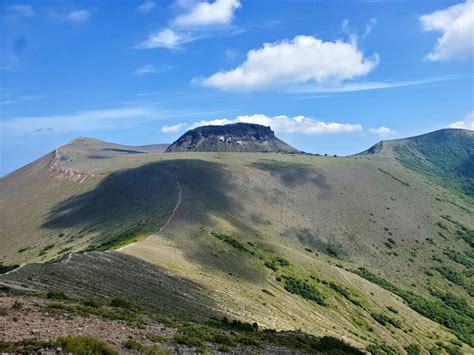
{"type": "Point", "coordinates": [446, 155]}
{"type": "Point", "coordinates": [238, 137]}
{"type": "Point", "coordinates": [364, 248]}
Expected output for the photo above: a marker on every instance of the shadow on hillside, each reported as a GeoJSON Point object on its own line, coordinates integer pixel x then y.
{"type": "Point", "coordinates": [104, 276]}
{"type": "Point", "coordinates": [142, 199]}
{"type": "Point", "coordinates": [293, 174]}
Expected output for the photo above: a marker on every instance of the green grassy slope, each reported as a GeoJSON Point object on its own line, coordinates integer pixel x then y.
{"type": "Point", "coordinates": [272, 238]}
{"type": "Point", "coordinates": [446, 156]}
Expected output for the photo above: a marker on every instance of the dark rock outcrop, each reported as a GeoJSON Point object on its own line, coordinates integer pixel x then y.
{"type": "Point", "coordinates": [238, 137]}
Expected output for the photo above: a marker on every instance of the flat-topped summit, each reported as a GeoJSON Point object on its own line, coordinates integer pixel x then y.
{"type": "Point", "coordinates": [238, 137]}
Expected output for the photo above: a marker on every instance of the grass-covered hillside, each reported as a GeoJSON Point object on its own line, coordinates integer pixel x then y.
{"type": "Point", "coordinates": [446, 155]}
{"type": "Point", "coordinates": [367, 248]}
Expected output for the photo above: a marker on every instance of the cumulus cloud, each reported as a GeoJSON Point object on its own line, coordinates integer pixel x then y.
{"type": "Point", "coordinates": [78, 16]}
{"type": "Point", "coordinates": [174, 128]}
{"type": "Point", "coordinates": [166, 38]}
{"type": "Point", "coordinates": [190, 25]}
{"type": "Point", "coordinates": [284, 124]}
{"type": "Point", "coordinates": [381, 131]}
{"type": "Point", "coordinates": [146, 7]}
{"type": "Point", "coordinates": [21, 10]}
{"type": "Point", "coordinates": [203, 13]}
{"type": "Point", "coordinates": [456, 23]}
{"type": "Point", "coordinates": [466, 123]}
{"type": "Point", "coordinates": [300, 60]}
{"type": "Point", "coordinates": [151, 69]}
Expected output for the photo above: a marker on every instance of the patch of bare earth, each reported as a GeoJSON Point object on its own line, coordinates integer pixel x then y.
{"type": "Point", "coordinates": [27, 318]}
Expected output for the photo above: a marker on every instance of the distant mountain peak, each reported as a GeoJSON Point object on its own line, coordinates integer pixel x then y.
{"type": "Point", "coordinates": [237, 137]}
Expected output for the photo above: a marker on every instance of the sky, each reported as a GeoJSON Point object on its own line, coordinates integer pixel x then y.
{"type": "Point", "coordinates": [332, 76]}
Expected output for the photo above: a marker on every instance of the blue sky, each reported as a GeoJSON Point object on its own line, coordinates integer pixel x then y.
{"type": "Point", "coordinates": [328, 76]}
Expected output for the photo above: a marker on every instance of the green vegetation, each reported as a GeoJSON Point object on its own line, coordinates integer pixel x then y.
{"type": "Point", "coordinates": [332, 251]}
{"type": "Point", "coordinates": [114, 314]}
{"type": "Point", "coordinates": [413, 349]}
{"type": "Point", "coordinates": [56, 295]}
{"type": "Point", "coordinates": [384, 320]}
{"type": "Point", "coordinates": [382, 349]}
{"type": "Point", "coordinates": [276, 262]}
{"type": "Point", "coordinates": [232, 333]}
{"type": "Point", "coordinates": [128, 237]}
{"type": "Point", "coordinates": [461, 324]}
{"type": "Point", "coordinates": [17, 305]}
{"type": "Point", "coordinates": [120, 303]}
{"type": "Point", "coordinates": [303, 289]}
{"type": "Point", "coordinates": [444, 156]}
{"type": "Point", "coordinates": [344, 292]}
{"type": "Point", "coordinates": [232, 242]}
{"type": "Point", "coordinates": [85, 345]}
{"type": "Point", "coordinates": [459, 258]}
{"type": "Point", "coordinates": [268, 292]}
{"type": "Point", "coordinates": [456, 278]}
{"type": "Point", "coordinates": [6, 268]}
{"type": "Point", "coordinates": [392, 309]}
{"type": "Point", "coordinates": [45, 249]}
{"type": "Point", "coordinates": [3, 312]}
{"type": "Point", "coordinates": [395, 178]}
{"type": "Point", "coordinates": [132, 344]}
{"type": "Point", "coordinates": [22, 250]}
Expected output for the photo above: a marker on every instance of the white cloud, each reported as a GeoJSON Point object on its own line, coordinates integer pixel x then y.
{"type": "Point", "coordinates": [165, 39]}
{"type": "Point", "coordinates": [203, 13]}
{"type": "Point", "coordinates": [284, 124]}
{"type": "Point", "coordinates": [466, 123]}
{"type": "Point", "coordinates": [300, 60]}
{"type": "Point", "coordinates": [190, 25]}
{"type": "Point", "coordinates": [456, 23]}
{"type": "Point", "coordinates": [174, 128]}
{"type": "Point", "coordinates": [146, 7]}
{"type": "Point", "coordinates": [151, 69]}
{"type": "Point", "coordinates": [78, 16]}
{"type": "Point", "coordinates": [381, 131]}
{"type": "Point", "coordinates": [216, 122]}
{"type": "Point", "coordinates": [21, 10]}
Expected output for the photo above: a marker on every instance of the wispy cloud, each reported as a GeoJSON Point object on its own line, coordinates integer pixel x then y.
{"type": "Point", "coordinates": [151, 69]}
{"type": "Point", "coordinates": [75, 122]}
{"type": "Point", "coordinates": [90, 120]}
{"type": "Point", "coordinates": [77, 16]}
{"type": "Point", "coordinates": [146, 7]}
{"type": "Point", "coordinates": [382, 131]}
{"type": "Point", "coordinates": [174, 128]}
{"type": "Point", "coordinates": [166, 38]}
{"type": "Point", "coordinates": [368, 85]}
{"type": "Point", "coordinates": [21, 10]}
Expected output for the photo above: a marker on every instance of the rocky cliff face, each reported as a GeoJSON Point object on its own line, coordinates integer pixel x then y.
{"type": "Point", "coordinates": [238, 137]}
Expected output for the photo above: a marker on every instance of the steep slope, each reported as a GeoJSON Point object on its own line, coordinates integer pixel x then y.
{"type": "Point", "coordinates": [274, 238]}
{"type": "Point", "coordinates": [238, 137]}
{"type": "Point", "coordinates": [446, 155]}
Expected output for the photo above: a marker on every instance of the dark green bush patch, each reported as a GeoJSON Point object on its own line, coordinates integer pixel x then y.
{"type": "Point", "coordinates": [233, 242]}
{"type": "Point", "coordinates": [303, 289]}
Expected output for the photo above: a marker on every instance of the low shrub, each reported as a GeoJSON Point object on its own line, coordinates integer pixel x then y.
{"type": "Point", "coordinates": [85, 345]}
{"type": "Point", "coordinates": [303, 289]}
{"type": "Point", "coordinates": [56, 295]}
